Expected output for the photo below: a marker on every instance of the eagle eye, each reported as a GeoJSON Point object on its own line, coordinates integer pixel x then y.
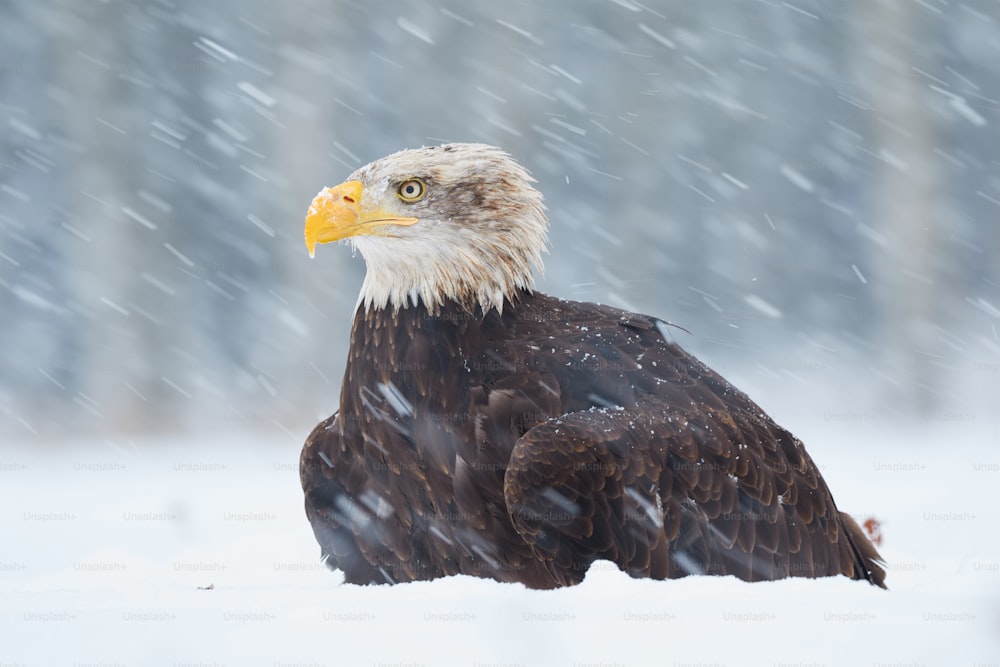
{"type": "Point", "coordinates": [412, 190]}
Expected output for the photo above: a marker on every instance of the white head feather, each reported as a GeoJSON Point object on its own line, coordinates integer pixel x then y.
{"type": "Point", "coordinates": [482, 227]}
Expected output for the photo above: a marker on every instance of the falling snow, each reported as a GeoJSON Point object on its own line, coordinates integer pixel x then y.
{"type": "Point", "coordinates": [811, 195]}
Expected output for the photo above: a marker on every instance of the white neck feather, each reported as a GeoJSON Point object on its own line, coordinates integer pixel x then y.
{"type": "Point", "coordinates": [444, 263]}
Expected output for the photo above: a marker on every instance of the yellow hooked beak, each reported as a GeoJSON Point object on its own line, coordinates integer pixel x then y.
{"type": "Point", "coordinates": [336, 214]}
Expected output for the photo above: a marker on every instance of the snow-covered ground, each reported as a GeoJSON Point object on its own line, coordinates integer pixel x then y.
{"type": "Point", "coordinates": [197, 552]}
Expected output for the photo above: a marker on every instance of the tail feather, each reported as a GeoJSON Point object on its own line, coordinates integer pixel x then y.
{"type": "Point", "coordinates": [869, 565]}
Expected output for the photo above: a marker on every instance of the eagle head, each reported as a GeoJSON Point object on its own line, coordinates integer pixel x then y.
{"type": "Point", "coordinates": [458, 222]}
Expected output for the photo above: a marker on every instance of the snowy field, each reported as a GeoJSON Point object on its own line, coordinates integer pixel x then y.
{"type": "Point", "coordinates": [196, 552]}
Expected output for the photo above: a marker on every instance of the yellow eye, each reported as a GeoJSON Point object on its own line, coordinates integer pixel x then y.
{"type": "Point", "coordinates": [412, 190]}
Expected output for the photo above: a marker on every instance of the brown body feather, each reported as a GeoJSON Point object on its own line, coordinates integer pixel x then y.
{"type": "Point", "coordinates": [523, 446]}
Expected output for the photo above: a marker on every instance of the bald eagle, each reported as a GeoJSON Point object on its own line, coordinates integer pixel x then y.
{"type": "Point", "coordinates": [487, 429]}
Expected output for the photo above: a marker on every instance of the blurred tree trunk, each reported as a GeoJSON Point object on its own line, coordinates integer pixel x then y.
{"type": "Point", "coordinates": [92, 113]}
{"type": "Point", "coordinates": [318, 295]}
{"type": "Point", "coordinates": [906, 205]}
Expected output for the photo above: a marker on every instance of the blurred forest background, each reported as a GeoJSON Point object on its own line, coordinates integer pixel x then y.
{"type": "Point", "coordinates": [811, 189]}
